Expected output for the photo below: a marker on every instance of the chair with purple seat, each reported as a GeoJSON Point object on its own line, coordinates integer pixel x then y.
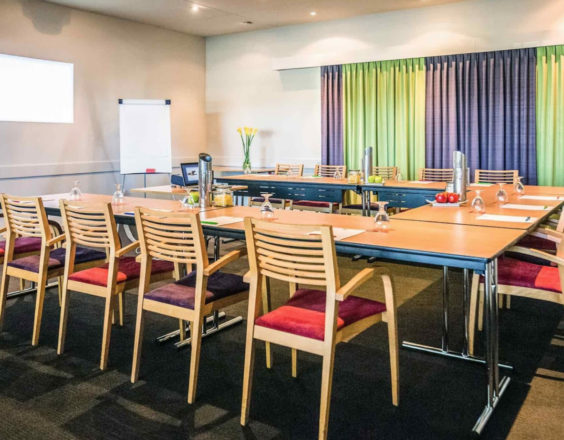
{"type": "Point", "coordinates": [26, 222]}
{"type": "Point", "coordinates": [178, 238]}
{"type": "Point", "coordinates": [314, 321]}
{"type": "Point", "coordinates": [318, 205]}
{"type": "Point", "coordinates": [95, 227]}
{"type": "Point", "coordinates": [520, 277]}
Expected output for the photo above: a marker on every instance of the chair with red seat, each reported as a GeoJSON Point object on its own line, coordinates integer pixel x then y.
{"type": "Point", "coordinates": [518, 277]}
{"type": "Point", "coordinates": [26, 222]}
{"type": "Point", "coordinates": [312, 320]}
{"type": "Point", "coordinates": [318, 205]}
{"type": "Point", "coordinates": [178, 238]}
{"type": "Point", "coordinates": [95, 227]}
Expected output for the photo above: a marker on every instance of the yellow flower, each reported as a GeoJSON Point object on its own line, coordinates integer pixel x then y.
{"type": "Point", "coordinates": [239, 131]}
{"type": "Point", "coordinates": [247, 130]}
{"type": "Point", "coordinates": [255, 131]}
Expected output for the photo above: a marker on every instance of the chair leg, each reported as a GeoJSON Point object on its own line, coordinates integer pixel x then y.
{"type": "Point", "coordinates": [60, 290]}
{"type": "Point", "coordinates": [266, 309]}
{"type": "Point", "coordinates": [138, 344]}
{"type": "Point", "coordinates": [182, 330]}
{"type": "Point", "coordinates": [472, 312]}
{"type": "Point", "coordinates": [247, 378]}
{"type": "Point", "coordinates": [508, 301]}
{"type": "Point", "coordinates": [196, 341]}
{"type": "Point", "coordinates": [393, 348]}
{"type": "Point", "coordinates": [22, 284]}
{"type": "Point", "coordinates": [39, 300]}
{"type": "Point", "coordinates": [480, 308]}
{"type": "Point", "coordinates": [3, 296]}
{"type": "Point", "coordinates": [63, 319]}
{"type": "Point", "coordinates": [121, 303]}
{"type": "Point", "coordinates": [294, 363]}
{"type": "Point", "coordinates": [326, 384]}
{"type": "Point", "coordinates": [107, 331]}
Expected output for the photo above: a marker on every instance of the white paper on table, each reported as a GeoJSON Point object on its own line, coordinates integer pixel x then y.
{"type": "Point", "coordinates": [421, 181]}
{"type": "Point", "coordinates": [342, 233]}
{"type": "Point", "coordinates": [223, 220]}
{"type": "Point", "coordinates": [542, 197]}
{"type": "Point", "coordinates": [507, 218]}
{"type": "Point", "coordinates": [482, 184]}
{"type": "Point", "coordinates": [526, 207]}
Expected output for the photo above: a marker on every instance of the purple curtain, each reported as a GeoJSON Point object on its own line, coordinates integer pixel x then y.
{"type": "Point", "coordinates": [484, 105]}
{"type": "Point", "coordinates": [331, 116]}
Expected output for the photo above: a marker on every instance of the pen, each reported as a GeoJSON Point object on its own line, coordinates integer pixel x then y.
{"type": "Point", "coordinates": [207, 222]}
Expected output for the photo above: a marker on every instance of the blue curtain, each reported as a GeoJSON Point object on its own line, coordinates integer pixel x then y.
{"type": "Point", "coordinates": [483, 104]}
{"type": "Point", "coordinates": [331, 115]}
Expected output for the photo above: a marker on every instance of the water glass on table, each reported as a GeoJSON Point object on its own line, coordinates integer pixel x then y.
{"type": "Point", "coordinates": [382, 219]}
{"type": "Point", "coordinates": [478, 205]}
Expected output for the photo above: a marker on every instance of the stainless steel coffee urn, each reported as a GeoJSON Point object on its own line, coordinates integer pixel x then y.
{"type": "Point", "coordinates": [367, 163]}
{"type": "Point", "coordinates": [460, 179]}
{"type": "Point", "coordinates": [205, 181]}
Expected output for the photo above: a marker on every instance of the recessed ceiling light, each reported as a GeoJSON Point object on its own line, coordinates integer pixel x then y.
{"type": "Point", "coordinates": [313, 13]}
{"type": "Point", "coordinates": [195, 8]}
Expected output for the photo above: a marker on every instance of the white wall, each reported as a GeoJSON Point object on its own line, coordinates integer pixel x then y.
{"type": "Point", "coordinates": [113, 59]}
{"type": "Point", "coordinates": [243, 88]}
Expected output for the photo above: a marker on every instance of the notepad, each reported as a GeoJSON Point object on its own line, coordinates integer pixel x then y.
{"type": "Point", "coordinates": [424, 182]}
{"type": "Point", "coordinates": [223, 220]}
{"type": "Point", "coordinates": [342, 233]}
{"type": "Point", "coordinates": [507, 218]}
{"type": "Point", "coordinates": [542, 197]}
{"type": "Point", "coordinates": [482, 184]}
{"type": "Point", "coordinates": [526, 207]}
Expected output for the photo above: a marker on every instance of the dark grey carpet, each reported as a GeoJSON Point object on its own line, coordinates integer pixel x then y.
{"type": "Point", "coordinates": [46, 396]}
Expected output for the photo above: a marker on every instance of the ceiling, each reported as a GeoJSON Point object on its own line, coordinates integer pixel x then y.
{"type": "Point", "coordinates": [217, 17]}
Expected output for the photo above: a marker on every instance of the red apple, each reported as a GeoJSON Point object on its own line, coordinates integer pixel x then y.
{"type": "Point", "coordinates": [441, 197]}
{"type": "Point", "coordinates": [453, 198]}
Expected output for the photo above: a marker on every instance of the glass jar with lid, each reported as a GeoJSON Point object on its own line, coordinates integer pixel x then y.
{"type": "Point", "coordinates": [223, 197]}
{"type": "Point", "coordinates": [354, 177]}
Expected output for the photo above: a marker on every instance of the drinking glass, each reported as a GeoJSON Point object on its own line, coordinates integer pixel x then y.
{"type": "Point", "coordinates": [188, 201]}
{"type": "Point", "coordinates": [478, 205]}
{"type": "Point", "coordinates": [399, 177]}
{"type": "Point", "coordinates": [266, 210]}
{"type": "Point", "coordinates": [117, 198]}
{"type": "Point", "coordinates": [382, 219]}
{"type": "Point", "coordinates": [337, 175]}
{"type": "Point", "coordinates": [75, 192]}
{"type": "Point", "coordinates": [519, 187]}
{"type": "Point", "coordinates": [501, 194]}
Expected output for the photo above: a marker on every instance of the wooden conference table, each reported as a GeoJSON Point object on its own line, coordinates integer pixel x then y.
{"type": "Point", "coordinates": [408, 241]}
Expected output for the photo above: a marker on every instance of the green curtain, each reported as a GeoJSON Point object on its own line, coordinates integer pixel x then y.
{"type": "Point", "coordinates": [550, 115]}
{"type": "Point", "coordinates": [384, 107]}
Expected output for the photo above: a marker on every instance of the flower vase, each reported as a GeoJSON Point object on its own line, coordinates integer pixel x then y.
{"type": "Point", "coordinates": [247, 165]}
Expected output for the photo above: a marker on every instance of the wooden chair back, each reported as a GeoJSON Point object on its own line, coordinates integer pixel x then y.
{"type": "Point", "coordinates": [436, 174]}
{"type": "Point", "coordinates": [90, 226]}
{"type": "Point", "coordinates": [172, 236]}
{"type": "Point", "coordinates": [330, 170]}
{"type": "Point", "coordinates": [496, 176]}
{"type": "Point", "coordinates": [388, 173]}
{"type": "Point", "coordinates": [289, 169]}
{"type": "Point", "coordinates": [24, 217]}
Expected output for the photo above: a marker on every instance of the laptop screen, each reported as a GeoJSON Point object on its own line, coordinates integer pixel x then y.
{"type": "Point", "coordinates": [190, 173]}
